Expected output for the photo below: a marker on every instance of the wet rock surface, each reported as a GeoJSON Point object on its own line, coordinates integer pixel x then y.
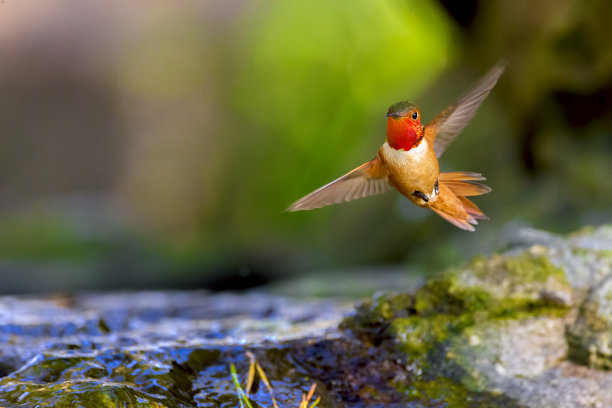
{"type": "Point", "coordinates": [153, 348]}
{"type": "Point", "coordinates": [528, 327]}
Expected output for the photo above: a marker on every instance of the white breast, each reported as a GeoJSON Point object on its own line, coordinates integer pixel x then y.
{"type": "Point", "coordinates": [402, 157]}
{"type": "Point", "coordinates": [400, 160]}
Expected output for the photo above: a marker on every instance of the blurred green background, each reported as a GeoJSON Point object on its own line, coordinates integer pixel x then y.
{"type": "Point", "coordinates": [157, 145]}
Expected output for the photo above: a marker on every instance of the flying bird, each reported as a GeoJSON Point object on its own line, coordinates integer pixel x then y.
{"type": "Point", "coordinates": [408, 162]}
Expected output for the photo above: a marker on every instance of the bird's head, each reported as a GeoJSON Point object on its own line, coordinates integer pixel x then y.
{"type": "Point", "coordinates": [404, 130]}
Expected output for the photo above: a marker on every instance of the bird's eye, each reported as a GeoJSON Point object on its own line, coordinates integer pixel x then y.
{"type": "Point", "coordinates": [415, 115]}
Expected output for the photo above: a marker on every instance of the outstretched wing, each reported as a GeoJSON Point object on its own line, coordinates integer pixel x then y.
{"type": "Point", "coordinates": [368, 179]}
{"type": "Point", "coordinates": [445, 127]}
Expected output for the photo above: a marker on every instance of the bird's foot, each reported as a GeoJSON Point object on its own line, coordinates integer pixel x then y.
{"type": "Point", "coordinates": [421, 195]}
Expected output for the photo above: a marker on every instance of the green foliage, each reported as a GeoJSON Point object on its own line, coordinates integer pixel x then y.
{"type": "Point", "coordinates": [44, 237]}
{"type": "Point", "coordinates": [219, 116]}
{"type": "Point", "coordinates": [310, 93]}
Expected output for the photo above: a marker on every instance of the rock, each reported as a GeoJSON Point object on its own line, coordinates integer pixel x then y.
{"type": "Point", "coordinates": [585, 256]}
{"type": "Point", "coordinates": [524, 360]}
{"type": "Point", "coordinates": [499, 324]}
{"type": "Point", "coordinates": [153, 349]}
{"type": "Point", "coordinates": [590, 337]}
{"type": "Point", "coordinates": [498, 285]}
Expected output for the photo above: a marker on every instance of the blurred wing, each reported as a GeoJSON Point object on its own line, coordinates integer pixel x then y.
{"type": "Point", "coordinates": [445, 127]}
{"type": "Point", "coordinates": [366, 180]}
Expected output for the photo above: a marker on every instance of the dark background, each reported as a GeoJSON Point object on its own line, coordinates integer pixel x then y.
{"type": "Point", "coordinates": [157, 145]}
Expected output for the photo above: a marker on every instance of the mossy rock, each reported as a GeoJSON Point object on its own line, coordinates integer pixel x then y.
{"type": "Point", "coordinates": [500, 323]}
{"type": "Point", "coordinates": [454, 394]}
{"type": "Point", "coordinates": [590, 337]}
{"type": "Point", "coordinates": [372, 317]}
{"type": "Point", "coordinates": [514, 286]}
{"type": "Point", "coordinates": [498, 286]}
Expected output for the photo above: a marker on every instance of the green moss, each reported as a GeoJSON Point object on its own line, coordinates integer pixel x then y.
{"type": "Point", "coordinates": [604, 254]}
{"type": "Point", "coordinates": [416, 335]}
{"type": "Point", "coordinates": [499, 287]}
{"type": "Point", "coordinates": [53, 368]}
{"type": "Point", "coordinates": [454, 394]}
{"type": "Point", "coordinates": [599, 253]}
{"type": "Point", "coordinates": [529, 310]}
{"type": "Point", "coordinates": [377, 311]}
{"type": "Point", "coordinates": [581, 252]}
{"type": "Point", "coordinates": [533, 268]}
{"type": "Point", "coordinates": [446, 294]}
{"type": "Point", "coordinates": [79, 393]}
{"type": "Point", "coordinates": [397, 305]}
{"type": "Point", "coordinates": [584, 231]}
{"type": "Point", "coordinates": [518, 270]}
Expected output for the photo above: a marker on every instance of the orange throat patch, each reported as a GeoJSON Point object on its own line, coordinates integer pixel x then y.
{"type": "Point", "coordinates": [403, 133]}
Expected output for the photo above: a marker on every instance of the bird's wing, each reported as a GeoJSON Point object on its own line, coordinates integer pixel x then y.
{"type": "Point", "coordinates": [368, 179]}
{"type": "Point", "coordinates": [445, 127]}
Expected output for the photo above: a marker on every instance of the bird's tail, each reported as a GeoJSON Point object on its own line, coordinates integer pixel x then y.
{"type": "Point", "coordinates": [452, 204]}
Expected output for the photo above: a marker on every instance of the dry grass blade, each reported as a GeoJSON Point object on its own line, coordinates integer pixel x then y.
{"type": "Point", "coordinates": [307, 397]}
{"type": "Point", "coordinates": [264, 378]}
{"type": "Point", "coordinates": [255, 368]}
{"type": "Point", "coordinates": [251, 376]}
{"type": "Point", "coordinates": [311, 391]}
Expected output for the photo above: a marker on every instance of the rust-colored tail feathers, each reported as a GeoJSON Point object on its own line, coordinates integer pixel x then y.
{"type": "Point", "coordinates": [452, 204]}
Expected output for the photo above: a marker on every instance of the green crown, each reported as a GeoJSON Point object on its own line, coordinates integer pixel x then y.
{"type": "Point", "coordinates": [401, 107]}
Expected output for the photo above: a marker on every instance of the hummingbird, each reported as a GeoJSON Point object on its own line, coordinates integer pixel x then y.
{"type": "Point", "coordinates": [408, 162]}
